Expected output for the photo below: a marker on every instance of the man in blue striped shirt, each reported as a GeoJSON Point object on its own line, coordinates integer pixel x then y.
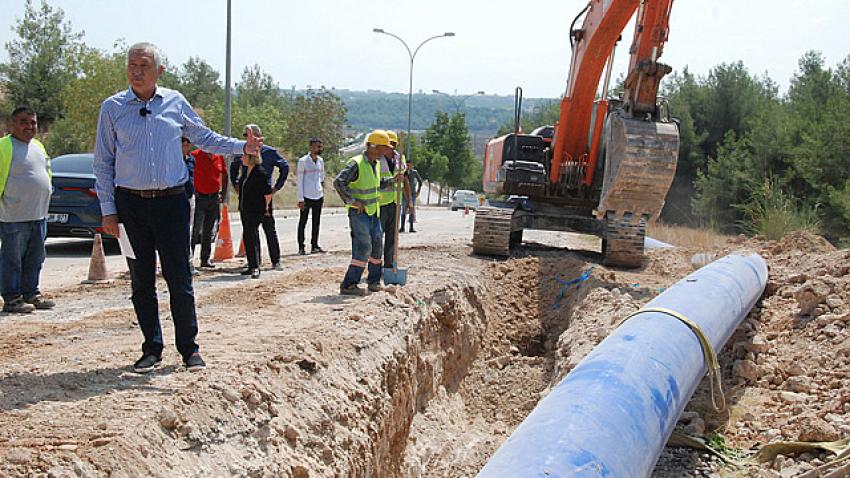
{"type": "Point", "coordinates": [141, 180]}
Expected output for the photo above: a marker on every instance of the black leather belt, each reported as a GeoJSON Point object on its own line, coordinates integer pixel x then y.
{"type": "Point", "coordinates": [210, 195]}
{"type": "Point", "coordinates": [154, 193]}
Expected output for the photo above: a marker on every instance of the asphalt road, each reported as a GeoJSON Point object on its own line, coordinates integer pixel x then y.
{"type": "Point", "coordinates": [68, 259]}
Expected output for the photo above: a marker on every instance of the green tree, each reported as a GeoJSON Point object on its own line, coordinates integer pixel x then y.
{"type": "Point", "coordinates": [40, 63]}
{"type": "Point", "coordinates": [789, 169]}
{"type": "Point", "coordinates": [101, 75]}
{"type": "Point", "coordinates": [819, 105]}
{"type": "Point", "coordinates": [449, 136]}
{"type": "Point", "coordinates": [256, 87]}
{"type": "Point", "coordinates": [725, 183]}
{"type": "Point", "coordinates": [431, 165]}
{"type": "Point", "coordinates": [318, 113]}
{"type": "Point", "coordinates": [199, 83]}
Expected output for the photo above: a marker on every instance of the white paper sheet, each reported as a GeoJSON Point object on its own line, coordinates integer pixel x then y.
{"type": "Point", "coordinates": [124, 242]}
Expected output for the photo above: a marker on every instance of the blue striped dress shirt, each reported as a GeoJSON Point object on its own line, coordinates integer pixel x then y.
{"type": "Point", "coordinates": [144, 152]}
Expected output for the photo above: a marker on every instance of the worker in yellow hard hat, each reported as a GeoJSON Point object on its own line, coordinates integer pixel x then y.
{"type": "Point", "coordinates": [358, 184]}
{"type": "Point", "coordinates": [393, 184]}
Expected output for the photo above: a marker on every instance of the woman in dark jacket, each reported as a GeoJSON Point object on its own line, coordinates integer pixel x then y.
{"type": "Point", "coordinates": [255, 194]}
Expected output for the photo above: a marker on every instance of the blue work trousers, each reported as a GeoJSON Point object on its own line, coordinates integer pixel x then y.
{"type": "Point", "coordinates": [366, 248]}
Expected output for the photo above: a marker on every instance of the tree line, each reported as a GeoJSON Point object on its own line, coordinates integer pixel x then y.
{"type": "Point", "coordinates": [54, 72]}
{"type": "Point", "coordinates": [484, 113]}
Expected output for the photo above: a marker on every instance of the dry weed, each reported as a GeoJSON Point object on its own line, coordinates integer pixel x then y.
{"type": "Point", "coordinates": [687, 237]}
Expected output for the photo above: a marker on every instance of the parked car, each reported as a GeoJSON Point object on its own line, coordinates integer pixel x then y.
{"type": "Point", "coordinates": [464, 198]}
{"type": "Point", "coordinates": [74, 209]}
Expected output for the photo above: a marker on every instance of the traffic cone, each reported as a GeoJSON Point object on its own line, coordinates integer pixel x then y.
{"type": "Point", "coordinates": [97, 264]}
{"type": "Point", "coordinates": [241, 252]}
{"type": "Point", "coordinates": [224, 244]}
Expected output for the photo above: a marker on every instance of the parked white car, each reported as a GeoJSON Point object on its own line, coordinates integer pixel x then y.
{"type": "Point", "coordinates": [464, 198]}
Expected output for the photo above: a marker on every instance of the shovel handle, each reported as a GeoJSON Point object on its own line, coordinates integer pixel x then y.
{"type": "Point", "coordinates": [395, 227]}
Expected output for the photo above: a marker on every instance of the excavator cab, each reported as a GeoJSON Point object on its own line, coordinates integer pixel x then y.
{"type": "Point", "coordinates": [516, 164]}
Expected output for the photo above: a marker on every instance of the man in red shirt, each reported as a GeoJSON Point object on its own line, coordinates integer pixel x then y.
{"type": "Point", "coordinates": [210, 179]}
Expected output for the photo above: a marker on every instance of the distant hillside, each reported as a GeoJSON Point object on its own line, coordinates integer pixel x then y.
{"type": "Point", "coordinates": [377, 109]}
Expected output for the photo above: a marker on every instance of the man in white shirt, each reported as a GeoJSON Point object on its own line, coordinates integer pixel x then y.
{"type": "Point", "coordinates": [311, 175]}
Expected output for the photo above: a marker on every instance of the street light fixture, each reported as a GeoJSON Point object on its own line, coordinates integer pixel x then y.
{"type": "Point", "coordinates": [461, 101]}
{"type": "Point", "coordinates": [412, 56]}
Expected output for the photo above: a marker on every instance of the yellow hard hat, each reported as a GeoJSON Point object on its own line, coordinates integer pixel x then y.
{"type": "Point", "coordinates": [378, 137]}
{"type": "Point", "coordinates": [393, 136]}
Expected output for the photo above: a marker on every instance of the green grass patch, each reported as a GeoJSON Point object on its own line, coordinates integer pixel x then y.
{"type": "Point", "coordinates": [773, 213]}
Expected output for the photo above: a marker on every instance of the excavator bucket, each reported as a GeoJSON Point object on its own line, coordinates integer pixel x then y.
{"type": "Point", "coordinates": [640, 163]}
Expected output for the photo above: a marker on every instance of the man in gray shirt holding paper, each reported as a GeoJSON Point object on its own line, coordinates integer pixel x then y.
{"type": "Point", "coordinates": [24, 198]}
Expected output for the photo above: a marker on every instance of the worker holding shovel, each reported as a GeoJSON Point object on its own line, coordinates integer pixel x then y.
{"type": "Point", "coordinates": [393, 182]}
{"type": "Point", "coordinates": [358, 185]}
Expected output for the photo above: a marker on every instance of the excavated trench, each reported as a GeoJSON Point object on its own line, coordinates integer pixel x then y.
{"type": "Point", "coordinates": [480, 359]}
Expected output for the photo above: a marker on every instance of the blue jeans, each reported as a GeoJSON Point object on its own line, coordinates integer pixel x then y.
{"type": "Point", "coordinates": [366, 248]}
{"type": "Point", "coordinates": [21, 257]}
{"type": "Point", "coordinates": [160, 226]}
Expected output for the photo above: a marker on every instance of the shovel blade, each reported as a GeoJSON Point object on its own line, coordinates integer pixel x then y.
{"type": "Point", "coordinates": [395, 276]}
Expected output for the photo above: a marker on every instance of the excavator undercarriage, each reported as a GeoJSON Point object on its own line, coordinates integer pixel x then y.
{"type": "Point", "coordinates": [639, 160]}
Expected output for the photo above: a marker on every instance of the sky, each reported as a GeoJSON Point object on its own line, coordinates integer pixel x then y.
{"type": "Point", "coordinates": [498, 45]}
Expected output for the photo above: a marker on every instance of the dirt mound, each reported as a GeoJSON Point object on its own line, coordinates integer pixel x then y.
{"type": "Point", "coordinates": [787, 368]}
{"type": "Point", "coordinates": [802, 242]}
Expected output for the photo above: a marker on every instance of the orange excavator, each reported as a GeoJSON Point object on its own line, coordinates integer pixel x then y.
{"type": "Point", "coordinates": [606, 166]}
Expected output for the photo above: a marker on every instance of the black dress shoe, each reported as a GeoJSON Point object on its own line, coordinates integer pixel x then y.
{"type": "Point", "coordinates": [246, 272]}
{"type": "Point", "coordinates": [147, 363]}
{"type": "Point", "coordinates": [194, 362]}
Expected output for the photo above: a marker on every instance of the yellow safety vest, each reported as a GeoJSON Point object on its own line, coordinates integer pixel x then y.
{"type": "Point", "coordinates": [6, 159]}
{"type": "Point", "coordinates": [365, 188]}
{"type": "Point", "coordinates": [389, 193]}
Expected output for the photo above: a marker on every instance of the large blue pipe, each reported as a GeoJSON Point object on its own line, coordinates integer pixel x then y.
{"type": "Point", "coordinates": [612, 415]}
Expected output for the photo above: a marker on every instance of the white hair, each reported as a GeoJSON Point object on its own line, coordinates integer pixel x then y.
{"type": "Point", "coordinates": [147, 49]}
{"type": "Point", "coordinates": [254, 129]}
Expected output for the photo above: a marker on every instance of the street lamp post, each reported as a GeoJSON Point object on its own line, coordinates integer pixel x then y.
{"type": "Point", "coordinates": [410, 91]}
{"type": "Point", "coordinates": [227, 101]}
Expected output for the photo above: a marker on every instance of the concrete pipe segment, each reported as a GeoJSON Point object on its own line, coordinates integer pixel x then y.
{"type": "Point", "coordinates": [612, 415]}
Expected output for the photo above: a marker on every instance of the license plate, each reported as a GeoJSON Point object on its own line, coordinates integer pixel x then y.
{"type": "Point", "coordinates": [60, 218]}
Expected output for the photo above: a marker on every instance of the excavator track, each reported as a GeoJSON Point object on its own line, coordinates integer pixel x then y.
{"type": "Point", "coordinates": [491, 234]}
{"type": "Point", "coordinates": [623, 243]}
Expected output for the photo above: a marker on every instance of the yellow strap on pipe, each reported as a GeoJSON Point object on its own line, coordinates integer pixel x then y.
{"type": "Point", "coordinates": [708, 352]}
